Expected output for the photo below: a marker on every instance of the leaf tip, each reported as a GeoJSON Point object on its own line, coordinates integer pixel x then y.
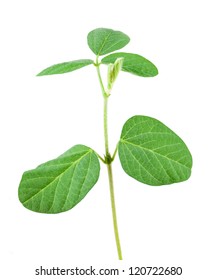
{"type": "Point", "coordinates": [40, 74]}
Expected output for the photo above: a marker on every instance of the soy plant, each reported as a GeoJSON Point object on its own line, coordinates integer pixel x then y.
{"type": "Point", "coordinates": [148, 150]}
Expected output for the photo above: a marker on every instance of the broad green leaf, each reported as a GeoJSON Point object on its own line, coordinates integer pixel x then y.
{"type": "Point", "coordinates": [152, 153]}
{"type": "Point", "coordinates": [133, 63]}
{"type": "Point", "coordinates": [65, 67]}
{"type": "Point", "coordinates": [102, 40]}
{"type": "Point", "coordinates": [58, 185]}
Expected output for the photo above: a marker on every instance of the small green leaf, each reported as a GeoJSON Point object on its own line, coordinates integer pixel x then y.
{"type": "Point", "coordinates": [152, 153]}
{"type": "Point", "coordinates": [133, 63]}
{"type": "Point", "coordinates": [65, 67]}
{"type": "Point", "coordinates": [102, 40]}
{"type": "Point", "coordinates": [113, 71]}
{"type": "Point", "coordinates": [58, 185]}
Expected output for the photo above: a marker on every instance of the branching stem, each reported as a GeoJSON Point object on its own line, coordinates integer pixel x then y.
{"type": "Point", "coordinates": [108, 160]}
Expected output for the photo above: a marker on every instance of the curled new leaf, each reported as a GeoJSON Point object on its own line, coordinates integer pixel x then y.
{"type": "Point", "coordinates": [103, 40]}
{"type": "Point", "coordinates": [65, 67]}
{"type": "Point", "coordinates": [113, 71]}
{"type": "Point", "coordinates": [58, 185]}
{"type": "Point", "coordinates": [133, 63]}
{"type": "Point", "coordinates": [152, 153]}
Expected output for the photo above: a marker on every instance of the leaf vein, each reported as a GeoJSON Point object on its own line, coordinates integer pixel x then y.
{"type": "Point", "coordinates": [24, 202]}
{"type": "Point", "coordinates": [129, 143]}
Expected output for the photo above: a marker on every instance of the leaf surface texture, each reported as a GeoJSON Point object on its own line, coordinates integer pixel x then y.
{"type": "Point", "coordinates": [103, 40]}
{"type": "Point", "coordinates": [133, 63]}
{"type": "Point", "coordinates": [152, 153]}
{"type": "Point", "coordinates": [58, 185]}
{"type": "Point", "coordinates": [65, 67]}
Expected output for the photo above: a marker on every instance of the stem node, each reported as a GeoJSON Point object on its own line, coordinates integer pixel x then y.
{"type": "Point", "coordinates": [108, 160]}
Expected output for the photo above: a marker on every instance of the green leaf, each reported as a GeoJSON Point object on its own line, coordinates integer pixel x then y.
{"type": "Point", "coordinates": [102, 40]}
{"type": "Point", "coordinates": [58, 185]}
{"type": "Point", "coordinates": [152, 153]}
{"type": "Point", "coordinates": [65, 67]}
{"type": "Point", "coordinates": [113, 71]}
{"type": "Point", "coordinates": [133, 63]}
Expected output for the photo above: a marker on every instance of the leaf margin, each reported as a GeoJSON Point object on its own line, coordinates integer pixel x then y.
{"type": "Point", "coordinates": [126, 169]}
{"type": "Point", "coordinates": [73, 151]}
{"type": "Point", "coordinates": [65, 67]}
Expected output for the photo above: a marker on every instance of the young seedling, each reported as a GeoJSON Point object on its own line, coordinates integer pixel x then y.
{"type": "Point", "coordinates": [149, 151]}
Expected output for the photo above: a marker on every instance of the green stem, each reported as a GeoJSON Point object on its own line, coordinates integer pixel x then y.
{"type": "Point", "coordinates": [106, 126]}
{"type": "Point", "coordinates": [115, 223]}
{"type": "Point", "coordinates": [108, 161]}
{"type": "Point", "coordinates": [100, 78]}
{"type": "Point", "coordinates": [102, 159]}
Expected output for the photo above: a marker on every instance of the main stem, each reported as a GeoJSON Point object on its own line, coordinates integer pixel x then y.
{"type": "Point", "coordinates": [108, 161]}
{"type": "Point", "coordinates": [111, 183]}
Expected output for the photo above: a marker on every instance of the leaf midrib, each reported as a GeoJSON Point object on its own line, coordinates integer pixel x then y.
{"type": "Point", "coordinates": [129, 143]}
{"type": "Point", "coordinates": [106, 38]}
{"type": "Point", "coordinates": [78, 196]}
{"type": "Point", "coordinates": [110, 47]}
{"type": "Point", "coordinates": [56, 178]}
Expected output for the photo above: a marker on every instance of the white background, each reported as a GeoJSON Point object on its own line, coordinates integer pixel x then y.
{"type": "Point", "coordinates": [41, 117]}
